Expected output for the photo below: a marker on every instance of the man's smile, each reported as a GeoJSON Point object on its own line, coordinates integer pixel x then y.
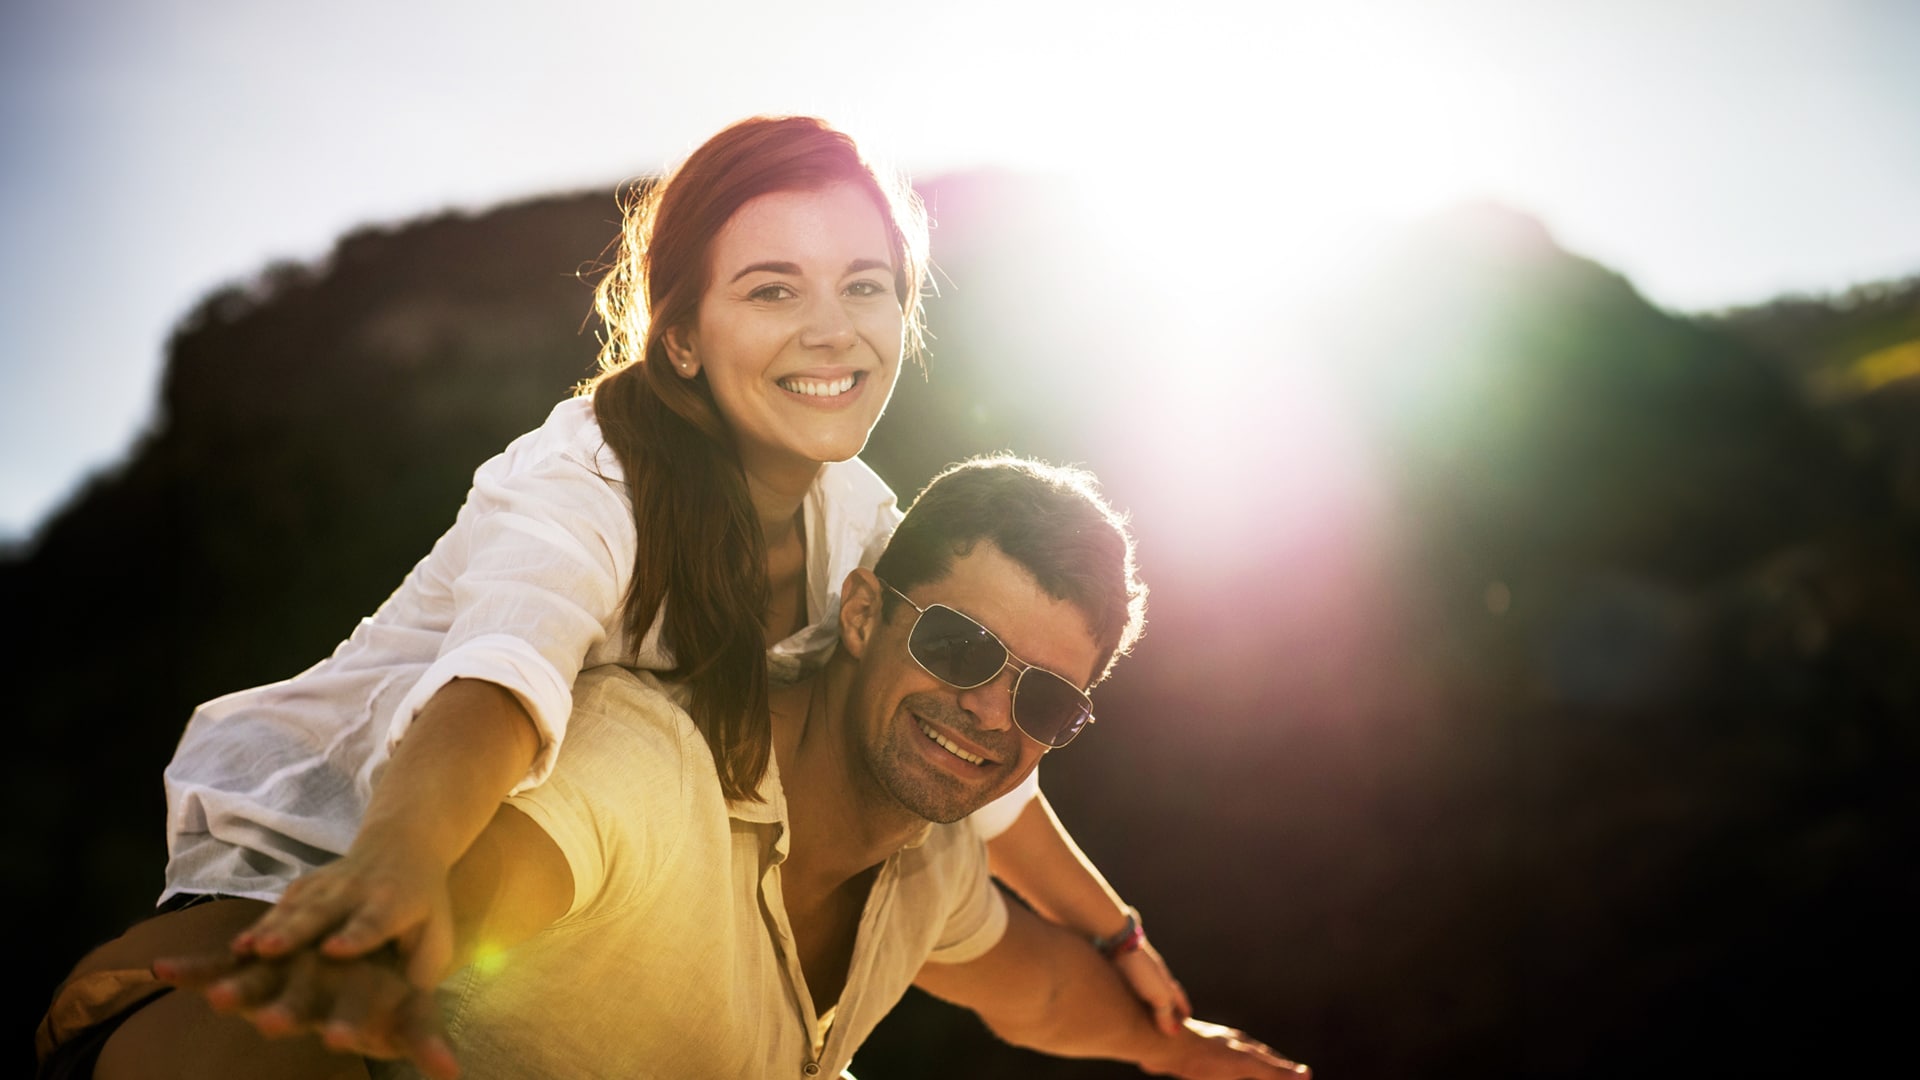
{"type": "Point", "coordinates": [949, 745]}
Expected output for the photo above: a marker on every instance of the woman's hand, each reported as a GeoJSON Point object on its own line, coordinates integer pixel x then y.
{"type": "Point", "coordinates": [373, 896]}
{"type": "Point", "coordinates": [360, 1006]}
{"type": "Point", "coordinates": [1146, 973]}
{"type": "Point", "coordinates": [469, 744]}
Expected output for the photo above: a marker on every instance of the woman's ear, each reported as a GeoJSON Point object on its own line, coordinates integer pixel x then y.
{"type": "Point", "coordinates": [861, 611]}
{"type": "Point", "coordinates": [680, 350]}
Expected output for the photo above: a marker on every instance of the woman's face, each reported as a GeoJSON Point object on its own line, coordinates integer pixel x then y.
{"type": "Point", "coordinates": [799, 331]}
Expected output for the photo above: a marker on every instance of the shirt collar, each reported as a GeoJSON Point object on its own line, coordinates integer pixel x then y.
{"type": "Point", "coordinates": [772, 810]}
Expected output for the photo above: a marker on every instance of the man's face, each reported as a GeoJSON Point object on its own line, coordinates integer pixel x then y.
{"type": "Point", "coordinates": [943, 752]}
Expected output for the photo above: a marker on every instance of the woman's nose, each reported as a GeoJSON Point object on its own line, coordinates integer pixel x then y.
{"type": "Point", "coordinates": [828, 325]}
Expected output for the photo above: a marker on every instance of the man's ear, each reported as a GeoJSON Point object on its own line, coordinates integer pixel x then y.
{"type": "Point", "coordinates": [860, 611]}
{"type": "Point", "coordinates": [679, 342]}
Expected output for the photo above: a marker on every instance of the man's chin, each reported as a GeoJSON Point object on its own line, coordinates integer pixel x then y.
{"type": "Point", "coordinates": [940, 799]}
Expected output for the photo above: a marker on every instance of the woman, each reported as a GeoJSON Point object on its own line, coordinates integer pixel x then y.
{"type": "Point", "coordinates": [692, 515]}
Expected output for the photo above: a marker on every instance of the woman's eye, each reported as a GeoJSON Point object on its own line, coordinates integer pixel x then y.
{"type": "Point", "coordinates": [867, 288]}
{"type": "Point", "coordinates": [771, 292]}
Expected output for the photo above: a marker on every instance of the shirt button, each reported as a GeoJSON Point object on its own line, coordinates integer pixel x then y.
{"type": "Point", "coordinates": [811, 1068]}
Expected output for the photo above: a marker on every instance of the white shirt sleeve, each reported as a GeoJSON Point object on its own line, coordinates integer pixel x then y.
{"type": "Point", "coordinates": [541, 556]}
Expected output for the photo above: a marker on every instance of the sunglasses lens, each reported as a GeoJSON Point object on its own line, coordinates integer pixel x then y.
{"type": "Point", "coordinates": [954, 648]}
{"type": "Point", "coordinates": [962, 653]}
{"type": "Point", "coordinates": [1049, 708]}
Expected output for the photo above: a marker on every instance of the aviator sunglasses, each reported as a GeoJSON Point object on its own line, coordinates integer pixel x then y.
{"type": "Point", "coordinates": [963, 654]}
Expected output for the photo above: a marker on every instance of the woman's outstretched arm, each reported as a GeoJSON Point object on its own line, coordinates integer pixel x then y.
{"type": "Point", "coordinates": [1037, 858]}
{"type": "Point", "coordinates": [466, 748]}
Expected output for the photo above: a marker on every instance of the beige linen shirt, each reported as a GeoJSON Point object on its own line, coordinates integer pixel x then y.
{"type": "Point", "coordinates": [677, 959]}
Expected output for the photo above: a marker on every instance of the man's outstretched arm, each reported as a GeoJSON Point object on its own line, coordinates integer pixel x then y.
{"type": "Point", "coordinates": [1046, 989]}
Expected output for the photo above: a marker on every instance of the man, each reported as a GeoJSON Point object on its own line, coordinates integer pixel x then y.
{"type": "Point", "coordinates": [624, 919]}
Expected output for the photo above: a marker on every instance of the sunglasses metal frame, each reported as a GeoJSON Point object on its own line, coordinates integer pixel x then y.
{"type": "Point", "coordinates": [1021, 667]}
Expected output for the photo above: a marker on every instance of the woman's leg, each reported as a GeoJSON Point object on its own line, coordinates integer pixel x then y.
{"type": "Point", "coordinates": [177, 1034]}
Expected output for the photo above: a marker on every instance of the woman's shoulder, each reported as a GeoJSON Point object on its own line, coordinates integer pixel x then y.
{"type": "Point", "coordinates": [572, 433]}
{"type": "Point", "coordinates": [852, 486]}
{"type": "Point", "coordinates": [856, 514]}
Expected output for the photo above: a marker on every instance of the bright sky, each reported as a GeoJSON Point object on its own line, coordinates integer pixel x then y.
{"type": "Point", "coordinates": [1716, 152]}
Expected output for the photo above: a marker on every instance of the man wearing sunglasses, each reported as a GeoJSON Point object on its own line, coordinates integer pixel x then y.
{"type": "Point", "coordinates": [624, 919]}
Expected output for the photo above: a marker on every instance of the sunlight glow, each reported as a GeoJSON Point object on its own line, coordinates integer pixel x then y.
{"type": "Point", "coordinates": [1266, 162]}
{"type": "Point", "coordinates": [489, 959]}
{"type": "Point", "coordinates": [1239, 177]}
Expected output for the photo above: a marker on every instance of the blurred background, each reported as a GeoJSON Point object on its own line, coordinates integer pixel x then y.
{"type": "Point", "coordinates": [1518, 406]}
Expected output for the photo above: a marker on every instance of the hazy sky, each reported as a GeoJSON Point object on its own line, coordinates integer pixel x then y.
{"type": "Point", "coordinates": [1717, 153]}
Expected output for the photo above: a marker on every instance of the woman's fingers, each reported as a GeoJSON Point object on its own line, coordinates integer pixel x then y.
{"type": "Point", "coordinates": [311, 907]}
{"type": "Point", "coordinates": [348, 908]}
{"type": "Point", "coordinates": [373, 923]}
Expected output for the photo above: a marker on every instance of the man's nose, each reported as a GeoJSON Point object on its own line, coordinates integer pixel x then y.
{"type": "Point", "coordinates": [991, 703]}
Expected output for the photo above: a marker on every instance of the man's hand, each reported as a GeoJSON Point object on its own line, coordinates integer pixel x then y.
{"type": "Point", "coordinates": [1203, 1051]}
{"type": "Point", "coordinates": [363, 1005]}
{"type": "Point", "coordinates": [376, 894]}
{"type": "Point", "coordinates": [1147, 974]}
{"type": "Point", "coordinates": [1045, 988]}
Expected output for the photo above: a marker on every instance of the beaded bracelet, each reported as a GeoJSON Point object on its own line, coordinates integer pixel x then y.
{"type": "Point", "coordinates": [1124, 940]}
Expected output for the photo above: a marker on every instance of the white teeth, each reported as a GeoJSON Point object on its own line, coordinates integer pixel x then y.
{"type": "Point", "coordinates": [818, 387]}
{"type": "Point", "coordinates": [950, 748]}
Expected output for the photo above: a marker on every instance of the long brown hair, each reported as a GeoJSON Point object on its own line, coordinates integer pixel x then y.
{"type": "Point", "coordinates": [700, 541]}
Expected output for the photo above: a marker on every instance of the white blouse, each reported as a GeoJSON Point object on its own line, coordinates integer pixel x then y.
{"type": "Point", "coordinates": [524, 591]}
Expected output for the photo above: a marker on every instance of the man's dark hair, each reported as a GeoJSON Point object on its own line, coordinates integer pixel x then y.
{"type": "Point", "coordinates": [1050, 519]}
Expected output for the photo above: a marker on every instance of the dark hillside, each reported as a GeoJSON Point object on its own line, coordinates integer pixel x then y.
{"type": "Point", "coordinates": [316, 432]}
{"type": "Point", "coordinates": [1561, 725]}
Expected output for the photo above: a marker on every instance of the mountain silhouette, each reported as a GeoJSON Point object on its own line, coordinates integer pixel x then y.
{"type": "Point", "coordinates": [1583, 742]}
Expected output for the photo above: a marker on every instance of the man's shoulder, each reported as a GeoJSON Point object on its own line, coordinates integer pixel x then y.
{"type": "Point", "coordinates": [949, 855]}
{"type": "Point", "coordinates": [948, 909]}
{"type": "Point", "coordinates": [614, 694]}
{"type": "Point", "coordinates": [637, 719]}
